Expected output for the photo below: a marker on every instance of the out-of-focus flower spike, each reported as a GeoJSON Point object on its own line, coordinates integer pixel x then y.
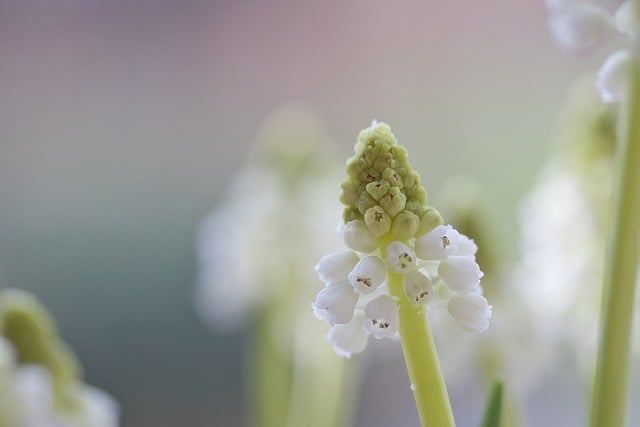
{"type": "Point", "coordinates": [578, 25]}
{"type": "Point", "coordinates": [612, 79]}
{"type": "Point", "coordinates": [626, 19]}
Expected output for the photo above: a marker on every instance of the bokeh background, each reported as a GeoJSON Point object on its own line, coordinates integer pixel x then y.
{"type": "Point", "coordinates": [122, 121]}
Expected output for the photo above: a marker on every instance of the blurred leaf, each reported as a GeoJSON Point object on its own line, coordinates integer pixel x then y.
{"type": "Point", "coordinates": [493, 410]}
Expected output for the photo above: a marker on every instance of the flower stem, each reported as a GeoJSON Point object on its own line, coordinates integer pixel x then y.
{"type": "Point", "coordinates": [611, 382]}
{"type": "Point", "coordinates": [427, 382]}
{"type": "Point", "coordinates": [270, 374]}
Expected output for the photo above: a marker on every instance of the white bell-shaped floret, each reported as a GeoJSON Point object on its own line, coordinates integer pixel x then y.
{"type": "Point", "coordinates": [472, 312]}
{"type": "Point", "coordinates": [349, 338]}
{"type": "Point", "coordinates": [367, 275]}
{"type": "Point", "coordinates": [577, 26]}
{"type": "Point", "coordinates": [460, 273]}
{"type": "Point", "coordinates": [626, 19]}
{"type": "Point", "coordinates": [335, 303]}
{"type": "Point", "coordinates": [381, 317]}
{"type": "Point", "coordinates": [612, 80]}
{"type": "Point", "coordinates": [417, 287]}
{"type": "Point", "coordinates": [358, 237]}
{"type": "Point", "coordinates": [465, 246]}
{"type": "Point", "coordinates": [400, 258]}
{"type": "Point", "coordinates": [437, 244]}
{"type": "Point", "coordinates": [335, 267]}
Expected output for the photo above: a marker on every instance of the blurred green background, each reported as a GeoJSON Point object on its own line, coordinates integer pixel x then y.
{"type": "Point", "coordinates": [121, 122]}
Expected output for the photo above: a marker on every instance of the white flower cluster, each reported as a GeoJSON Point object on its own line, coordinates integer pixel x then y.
{"type": "Point", "coordinates": [437, 268]}
{"type": "Point", "coordinates": [578, 25]}
{"type": "Point", "coordinates": [27, 398]}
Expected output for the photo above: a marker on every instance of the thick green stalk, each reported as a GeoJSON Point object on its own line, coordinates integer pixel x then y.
{"type": "Point", "coordinates": [611, 382]}
{"type": "Point", "coordinates": [423, 366]}
{"type": "Point", "coordinates": [271, 372]}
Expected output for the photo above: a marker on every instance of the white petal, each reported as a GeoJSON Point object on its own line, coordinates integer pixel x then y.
{"type": "Point", "coordinates": [335, 303]}
{"type": "Point", "coordinates": [349, 338]}
{"type": "Point", "coordinates": [460, 273]}
{"type": "Point", "coordinates": [400, 257]}
{"type": "Point", "coordinates": [368, 274]}
{"type": "Point", "coordinates": [626, 19]}
{"type": "Point", "coordinates": [358, 237]}
{"type": "Point", "coordinates": [612, 80]}
{"type": "Point", "coordinates": [472, 311]}
{"type": "Point", "coordinates": [417, 287]}
{"type": "Point", "coordinates": [381, 317]}
{"type": "Point", "coordinates": [335, 267]}
{"type": "Point", "coordinates": [577, 26]}
{"type": "Point", "coordinates": [437, 244]}
{"type": "Point", "coordinates": [465, 246]}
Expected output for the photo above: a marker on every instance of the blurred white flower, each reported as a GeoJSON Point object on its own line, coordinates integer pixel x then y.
{"type": "Point", "coordinates": [612, 79]}
{"type": "Point", "coordinates": [28, 398]}
{"type": "Point", "coordinates": [578, 25]}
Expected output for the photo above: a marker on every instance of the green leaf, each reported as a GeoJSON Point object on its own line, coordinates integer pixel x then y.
{"type": "Point", "coordinates": [493, 410]}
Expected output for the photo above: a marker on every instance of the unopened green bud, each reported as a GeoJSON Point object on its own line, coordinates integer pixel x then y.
{"type": "Point", "coordinates": [349, 195]}
{"type": "Point", "coordinates": [394, 202]}
{"type": "Point", "coordinates": [377, 221]}
{"type": "Point", "coordinates": [393, 177]}
{"type": "Point", "coordinates": [430, 220]}
{"type": "Point", "coordinates": [380, 176]}
{"type": "Point", "coordinates": [405, 225]}
{"type": "Point", "coordinates": [378, 189]}
{"type": "Point", "coordinates": [365, 202]}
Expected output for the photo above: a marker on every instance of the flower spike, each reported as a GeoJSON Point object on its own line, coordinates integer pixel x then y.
{"type": "Point", "coordinates": [392, 234]}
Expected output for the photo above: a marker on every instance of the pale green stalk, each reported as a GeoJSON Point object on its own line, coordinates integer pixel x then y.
{"type": "Point", "coordinates": [611, 382]}
{"type": "Point", "coordinates": [269, 374]}
{"type": "Point", "coordinates": [423, 366]}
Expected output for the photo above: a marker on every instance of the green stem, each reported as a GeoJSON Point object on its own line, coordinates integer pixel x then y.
{"type": "Point", "coordinates": [611, 382]}
{"type": "Point", "coordinates": [271, 373]}
{"type": "Point", "coordinates": [427, 382]}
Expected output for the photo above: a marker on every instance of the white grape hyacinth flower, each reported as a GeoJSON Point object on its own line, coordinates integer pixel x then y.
{"type": "Point", "coordinates": [391, 233]}
{"type": "Point", "coordinates": [356, 303]}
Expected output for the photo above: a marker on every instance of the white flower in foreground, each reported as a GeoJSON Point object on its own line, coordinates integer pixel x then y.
{"type": "Point", "coordinates": [358, 237]}
{"type": "Point", "coordinates": [350, 337]}
{"type": "Point", "coordinates": [612, 80]}
{"type": "Point", "coordinates": [417, 287]}
{"type": "Point", "coordinates": [460, 273]}
{"type": "Point", "coordinates": [381, 317]}
{"type": "Point", "coordinates": [437, 244]}
{"type": "Point", "coordinates": [367, 275]}
{"type": "Point", "coordinates": [472, 311]}
{"type": "Point", "coordinates": [400, 257]}
{"type": "Point", "coordinates": [335, 267]}
{"type": "Point", "coordinates": [403, 251]}
{"type": "Point", "coordinates": [335, 303]}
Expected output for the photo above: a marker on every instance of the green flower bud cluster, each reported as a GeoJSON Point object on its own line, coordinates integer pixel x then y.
{"type": "Point", "coordinates": [28, 326]}
{"type": "Point", "coordinates": [383, 190]}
